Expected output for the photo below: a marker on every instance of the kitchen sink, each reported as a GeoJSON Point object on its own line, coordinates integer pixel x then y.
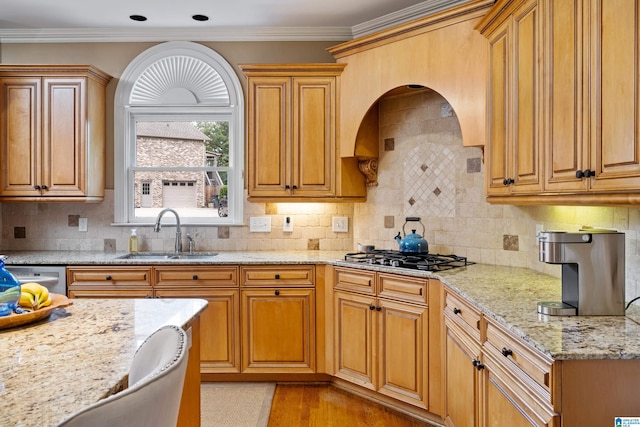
{"type": "Point", "coordinates": [160, 256]}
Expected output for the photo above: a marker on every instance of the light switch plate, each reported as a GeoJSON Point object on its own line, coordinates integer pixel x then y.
{"type": "Point", "coordinates": [83, 224]}
{"type": "Point", "coordinates": [260, 224]}
{"type": "Point", "coordinates": [340, 224]}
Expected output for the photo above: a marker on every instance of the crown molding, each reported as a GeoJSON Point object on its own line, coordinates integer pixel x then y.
{"type": "Point", "coordinates": [92, 35]}
{"type": "Point", "coordinates": [403, 16]}
{"type": "Point", "coordinates": [237, 33]}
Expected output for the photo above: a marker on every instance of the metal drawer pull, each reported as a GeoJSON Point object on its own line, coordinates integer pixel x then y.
{"type": "Point", "coordinates": [506, 352]}
{"type": "Point", "coordinates": [277, 276]}
{"type": "Point", "coordinates": [195, 277]}
{"type": "Point", "coordinates": [277, 292]}
{"type": "Point", "coordinates": [476, 363]}
{"type": "Point", "coordinates": [108, 278]}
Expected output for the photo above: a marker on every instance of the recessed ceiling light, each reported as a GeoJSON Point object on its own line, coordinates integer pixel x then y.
{"type": "Point", "coordinates": [200, 18]}
{"type": "Point", "coordinates": [138, 18]}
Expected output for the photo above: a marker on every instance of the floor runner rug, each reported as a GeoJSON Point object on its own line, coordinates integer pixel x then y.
{"type": "Point", "coordinates": [236, 404]}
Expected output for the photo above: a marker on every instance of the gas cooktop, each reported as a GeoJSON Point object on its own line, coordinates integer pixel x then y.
{"type": "Point", "coordinates": [414, 261]}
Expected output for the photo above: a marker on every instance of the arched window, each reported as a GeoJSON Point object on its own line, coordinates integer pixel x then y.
{"type": "Point", "coordinates": [179, 137]}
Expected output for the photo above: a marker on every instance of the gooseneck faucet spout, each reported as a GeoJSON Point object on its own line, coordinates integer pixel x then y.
{"type": "Point", "coordinates": [157, 227]}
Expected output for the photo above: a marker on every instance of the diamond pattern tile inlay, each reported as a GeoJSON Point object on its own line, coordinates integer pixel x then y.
{"type": "Point", "coordinates": [429, 181]}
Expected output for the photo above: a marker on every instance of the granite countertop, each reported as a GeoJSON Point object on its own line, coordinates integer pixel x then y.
{"type": "Point", "coordinates": [80, 354]}
{"type": "Point", "coordinates": [113, 258]}
{"type": "Point", "coordinates": [507, 294]}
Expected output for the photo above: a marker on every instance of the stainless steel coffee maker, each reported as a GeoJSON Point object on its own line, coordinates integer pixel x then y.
{"type": "Point", "coordinates": [593, 272]}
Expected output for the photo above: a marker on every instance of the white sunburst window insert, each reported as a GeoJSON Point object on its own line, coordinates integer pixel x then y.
{"type": "Point", "coordinates": [179, 139]}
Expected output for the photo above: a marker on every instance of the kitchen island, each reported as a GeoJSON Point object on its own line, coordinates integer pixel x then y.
{"type": "Point", "coordinates": [82, 353]}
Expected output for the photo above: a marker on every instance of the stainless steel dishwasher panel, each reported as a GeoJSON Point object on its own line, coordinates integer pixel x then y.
{"type": "Point", "coordinates": [54, 277]}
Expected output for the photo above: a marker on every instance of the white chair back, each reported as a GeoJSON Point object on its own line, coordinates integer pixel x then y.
{"type": "Point", "coordinates": [156, 378]}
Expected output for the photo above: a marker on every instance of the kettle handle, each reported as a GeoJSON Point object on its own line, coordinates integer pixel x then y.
{"type": "Point", "coordinates": [413, 219]}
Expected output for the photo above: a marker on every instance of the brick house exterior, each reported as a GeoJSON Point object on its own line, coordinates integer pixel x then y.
{"type": "Point", "coordinates": [170, 144]}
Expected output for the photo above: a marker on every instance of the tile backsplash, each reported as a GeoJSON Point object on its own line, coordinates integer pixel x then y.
{"type": "Point", "coordinates": [423, 171]}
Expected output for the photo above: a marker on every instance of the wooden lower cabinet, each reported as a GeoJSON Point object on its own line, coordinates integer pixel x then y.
{"type": "Point", "coordinates": [462, 348]}
{"type": "Point", "coordinates": [382, 344]}
{"type": "Point", "coordinates": [220, 331]}
{"type": "Point", "coordinates": [492, 378]}
{"type": "Point", "coordinates": [278, 331]}
{"type": "Point", "coordinates": [462, 378]}
{"type": "Point", "coordinates": [109, 282]}
{"type": "Point", "coordinates": [220, 335]}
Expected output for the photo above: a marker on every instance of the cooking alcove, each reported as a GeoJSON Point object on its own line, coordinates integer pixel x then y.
{"type": "Point", "coordinates": [367, 143]}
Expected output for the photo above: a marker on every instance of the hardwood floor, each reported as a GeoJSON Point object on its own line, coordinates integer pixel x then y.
{"type": "Point", "coordinates": [327, 406]}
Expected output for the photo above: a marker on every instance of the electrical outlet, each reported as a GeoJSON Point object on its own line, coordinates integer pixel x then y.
{"type": "Point", "coordinates": [287, 224]}
{"type": "Point", "coordinates": [340, 224]}
{"type": "Point", "coordinates": [260, 224]}
{"type": "Point", "coordinates": [83, 224]}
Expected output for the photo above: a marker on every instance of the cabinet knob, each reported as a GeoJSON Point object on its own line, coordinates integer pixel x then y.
{"type": "Point", "coordinates": [476, 363]}
{"type": "Point", "coordinates": [508, 181]}
{"type": "Point", "coordinates": [277, 292]}
{"type": "Point", "coordinates": [277, 276]}
{"type": "Point", "coordinates": [295, 187]}
{"type": "Point", "coordinates": [287, 187]}
{"type": "Point", "coordinates": [506, 352]}
{"type": "Point", "coordinates": [44, 187]}
{"type": "Point", "coordinates": [372, 307]}
{"type": "Point", "coordinates": [37, 187]}
{"type": "Point", "coordinates": [587, 173]}
{"type": "Point", "coordinates": [195, 277]}
{"type": "Point", "coordinates": [108, 277]}
{"type": "Point", "coordinates": [378, 308]}
{"type": "Point", "coordinates": [456, 310]}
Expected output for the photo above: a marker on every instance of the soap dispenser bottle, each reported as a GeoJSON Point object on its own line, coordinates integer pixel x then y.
{"type": "Point", "coordinates": [133, 241]}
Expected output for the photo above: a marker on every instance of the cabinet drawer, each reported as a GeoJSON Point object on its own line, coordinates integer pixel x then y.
{"type": "Point", "coordinates": [278, 276]}
{"type": "Point", "coordinates": [515, 352]}
{"type": "Point", "coordinates": [198, 277]}
{"type": "Point", "coordinates": [410, 289]}
{"type": "Point", "coordinates": [356, 281]}
{"type": "Point", "coordinates": [114, 276]}
{"type": "Point", "coordinates": [463, 314]}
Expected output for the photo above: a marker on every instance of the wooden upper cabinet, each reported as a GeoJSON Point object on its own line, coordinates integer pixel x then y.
{"type": "Point", "coordinates": [292, 119]}
{"type": "Point", "coordinates": [586, 121]}
{"type": "Point", "coordinates": [52, 133]}
{"type": "Point", "coordinates": [514, 154]}
{"type": "Point", "coordinates": [614, 95]}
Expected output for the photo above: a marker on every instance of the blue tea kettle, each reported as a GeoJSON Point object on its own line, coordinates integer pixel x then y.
{"type": "Point", "coordinates": [412, 243]}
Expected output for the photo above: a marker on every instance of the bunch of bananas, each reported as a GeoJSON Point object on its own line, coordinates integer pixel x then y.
{"type": "Point", "coordinates": [34, 296]}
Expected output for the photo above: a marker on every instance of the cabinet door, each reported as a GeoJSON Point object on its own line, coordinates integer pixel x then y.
{"type": "Point", "coordinates": [313, 145]}
{"type": "Point", "coordinates": [278, 331]}
{"type": "Point", "coordinates": [567, 147]}
{"type": "Point", "coordinates": [615, 95]}
{"type": "Point", "coordinates": [462, 378]}
{"type": "Point", "coordinates": [219, 327]}
{"type": "Point", "coordinates": [403, 352]}
{"type": "Point", "coordinates": [499, 152]}
{"type": "Point", "coordinates": [355, 335]}
{"type": "Point", "coordinates": [63, 137]}
{"type": "Point", "coordinates": [514, 103]}
{"type": "Point", "coordinates": [510, 400]}
{"type": "Point", "coordinates": [269, 136]}
{"type": "Point", "coordinates": [20, 127]}
{"type": "Point", "coordinates": [526, 89]}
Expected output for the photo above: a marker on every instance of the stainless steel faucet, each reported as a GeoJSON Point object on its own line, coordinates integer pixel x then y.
{"type": "Point", "coordinates": [157, 227]}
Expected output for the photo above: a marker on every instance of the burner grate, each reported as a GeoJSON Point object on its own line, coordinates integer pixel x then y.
{"type": "Point", "coordinates": [426, 262]}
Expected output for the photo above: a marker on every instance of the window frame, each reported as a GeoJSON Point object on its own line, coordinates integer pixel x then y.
{"type": "Point", "coordinates": [126, 115]}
